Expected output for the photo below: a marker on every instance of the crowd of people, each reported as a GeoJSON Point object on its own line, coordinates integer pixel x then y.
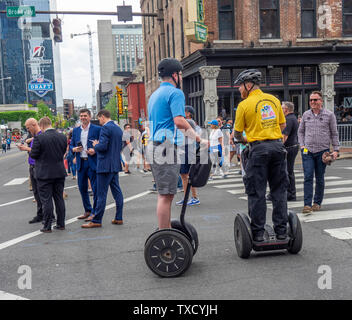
{"type": "Point", "coordinates": [266, 138]}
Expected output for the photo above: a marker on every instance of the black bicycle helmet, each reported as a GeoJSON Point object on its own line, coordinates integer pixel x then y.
{"type": "Point", "coordinates": [250, 75]}
{"type": "Point", "coordinates": [168, 66]}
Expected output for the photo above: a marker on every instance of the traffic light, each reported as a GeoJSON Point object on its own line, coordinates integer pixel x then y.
{"type": "Point", "coordinates": [119, 100]}
{"type": "Point", "coordinates": [57, 30]}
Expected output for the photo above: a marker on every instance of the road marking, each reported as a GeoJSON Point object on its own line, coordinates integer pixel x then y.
{"type": "Point", "coordinates": [16, 181]}
{"type": "Point", "coordinates": [28, 198]}
{"type": "Point", "coordinates": [301, 193]}
{"type": "Point", "coordinates": [326, 215]}
{"type": "Point", "coordinates": [224, 186]}
{"type": "Point", "coordinates": [340, 233]}
{"type": "Point", "coordinates": [8, 296]}
{"type": "Point", "coordinates": [12, 242]}
{"type": "Point", "coordinates": [337, 200]}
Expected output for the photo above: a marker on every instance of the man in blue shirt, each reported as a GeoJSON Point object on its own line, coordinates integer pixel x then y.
{"type": "Point", "coordinates": [166, 112]}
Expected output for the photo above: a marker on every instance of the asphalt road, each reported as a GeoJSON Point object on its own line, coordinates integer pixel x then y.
{"type": "Point", "coordinates": [108, 263]}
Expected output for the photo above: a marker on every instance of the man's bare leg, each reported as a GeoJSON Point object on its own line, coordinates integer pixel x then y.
{"type": "Point", "coordinates": [163, 210]}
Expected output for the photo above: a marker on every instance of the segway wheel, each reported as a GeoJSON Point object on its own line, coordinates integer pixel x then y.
{"type": "Point", "coordinates": [168, 253]}
{"type": "Point", "coordinates": [176, 224]}
{"type": "Point", "coordinates": [243, 240]}
{"type": "Point", "coordinates": [295, 233]}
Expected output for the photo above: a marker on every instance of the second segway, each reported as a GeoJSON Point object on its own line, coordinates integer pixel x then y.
{"type": "Point", "coordinates": [244, 240]}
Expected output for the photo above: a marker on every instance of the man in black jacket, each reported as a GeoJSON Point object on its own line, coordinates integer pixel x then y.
{"type": "Point", "coordinates": [48, 150]}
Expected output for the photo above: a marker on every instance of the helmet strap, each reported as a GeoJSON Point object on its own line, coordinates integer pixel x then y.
{"type": "Point", "coordinates": [177, 84]}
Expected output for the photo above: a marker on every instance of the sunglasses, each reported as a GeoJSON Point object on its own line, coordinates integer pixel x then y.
{"type": "Point", "coordinates": [315, 100]}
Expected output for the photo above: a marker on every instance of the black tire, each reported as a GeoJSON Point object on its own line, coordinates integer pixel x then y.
{"type": "Point", "coordinates": [296, 234]}
{"type": "Point", "coordinates": [176, 224]}
{"type": "Point", "coordinates": [243, 240]}
{"type": "Point", "coordinates": [168, 253]}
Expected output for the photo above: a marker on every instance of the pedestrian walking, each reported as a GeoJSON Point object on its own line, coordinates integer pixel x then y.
{"type": "Point", "coordinates": [260, 115]}
{"type": "Point", "coordinates": [216, 139]}
{"type": "Point", "coordinates": [166, 112]}
{"type": "Point", "coordinates": [48, 151]}
{"type": "Point", "coordinates": [189, 151]}
{"type": "Point", "coordinates": [108, 149]}
{"type": "Point", "coordinates": [86, 163]}
{"type": "Point", "coordinates": [127, 149]}
{"type": "Point", "coordinates": [33, 128]}
{"type": "Point", "coordinates": [290, 140]}
{"type": "Point", "coordinates": [317, 129]}
{"type": "Point", "coordinates": [3, 145]}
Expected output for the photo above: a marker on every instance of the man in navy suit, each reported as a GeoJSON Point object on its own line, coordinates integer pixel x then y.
{"type": "Point", "coordinates": [108, 150]}
{"type": "Point", "coordinates": [81, 141]}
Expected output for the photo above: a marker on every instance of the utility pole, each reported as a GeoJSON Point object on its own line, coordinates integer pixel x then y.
{"type": "Point", "coordinates": [89, 33]}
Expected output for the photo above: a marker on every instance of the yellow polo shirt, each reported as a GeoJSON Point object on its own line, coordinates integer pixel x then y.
{"type": "Point", "coordinates": [260, 116]}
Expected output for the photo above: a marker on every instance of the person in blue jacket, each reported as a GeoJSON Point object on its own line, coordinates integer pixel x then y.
{"type": "Point", "coordinates": [108, 150]}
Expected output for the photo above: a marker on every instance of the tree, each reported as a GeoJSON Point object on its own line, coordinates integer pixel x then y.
{"type": "Point", "coordinates": [112, 107]}
{"type": "Point", "coordinates": [43, 111]}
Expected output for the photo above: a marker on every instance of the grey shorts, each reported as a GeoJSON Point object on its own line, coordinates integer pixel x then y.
{"type": "Point", "coordinates": [165, 172]}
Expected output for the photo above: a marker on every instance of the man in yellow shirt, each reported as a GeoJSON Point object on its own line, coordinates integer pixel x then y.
{"type": "Point", "coordinates": [260, 115]}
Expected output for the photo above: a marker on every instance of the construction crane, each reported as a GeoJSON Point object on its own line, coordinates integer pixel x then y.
{"type": "Point", "coordinates": [89, 33]}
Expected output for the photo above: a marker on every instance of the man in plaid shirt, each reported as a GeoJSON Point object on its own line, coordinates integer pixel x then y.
{"type": "Point", "coordinates": [316, 131]}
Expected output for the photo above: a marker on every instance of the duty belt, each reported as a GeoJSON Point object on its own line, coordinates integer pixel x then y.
{"type": "Point", "coordinates": [261, 141]}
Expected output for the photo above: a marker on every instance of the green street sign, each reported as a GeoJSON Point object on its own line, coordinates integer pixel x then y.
{"type": "Point", "coordinates": [200, 11]}
{"type": "Point", "coordinates": [21, 11]}
{"type": "Point", "coordinates": [201, 32]}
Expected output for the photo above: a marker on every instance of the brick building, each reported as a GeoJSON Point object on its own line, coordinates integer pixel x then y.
{"type": "Point", "coordinates": [299, 45]}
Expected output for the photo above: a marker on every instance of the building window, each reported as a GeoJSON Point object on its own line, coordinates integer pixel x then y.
{"type": "Point", "coordinates": [182, 34]}
{"type": "Point", "coordinates": [150, 63]}
{"type": "Point", "coordinates": [309, 75]}
{"type": "Point", "coordinates": [275, 77]}
{"type": "Point", "coordinates": [269, 19]}
{"type": "Point", "coordinates": [347, 18]}
{"type": "Point", "coordinates": [154, 60]}
{"type": "Point", "coordinates": [173, 38]}
{"type": "Point", "coordinates": [294, 76]}
{"type": "Point", "coordinates": [308, 19]}
{"type": "Point", "coordinates": [226, 19]}
{"type": "Point", "coordinates": [159, 46]}
{"type": "Point", "coordinates": [153, 12]}
{"type": "Point", "coordinates": [168, 40]}
{"type": "Point", "coordinates": [148, 19]}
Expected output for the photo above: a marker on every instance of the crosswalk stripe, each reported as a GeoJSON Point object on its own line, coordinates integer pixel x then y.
{"type": "Point", "coordinates": [16, 181]}
{"type": "Point", "coordinates": [325, 215]}
{"type": "Point", "coordinates": [224, 186]}
{"type": "Point", "coordinates": [340, 233]}
{"type": "Point", "coordinates": [298, 187]}
{"type": "Point", "coordinates": [336, 200]}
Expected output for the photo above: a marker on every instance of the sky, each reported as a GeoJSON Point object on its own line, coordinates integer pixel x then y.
{"type": "Point", "coordinates": [75, 58]}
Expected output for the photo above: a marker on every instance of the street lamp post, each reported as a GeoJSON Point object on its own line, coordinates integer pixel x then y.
{"type": "Point", "coordinates": [3, 88]}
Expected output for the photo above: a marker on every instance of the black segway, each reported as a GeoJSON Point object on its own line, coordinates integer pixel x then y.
{"type": "Point", "coordinates": [244, 239]}
{"type": "Point", "coordinates": [169, 252]}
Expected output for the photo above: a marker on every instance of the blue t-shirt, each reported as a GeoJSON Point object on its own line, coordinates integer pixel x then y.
{"type": "Point", "coordinates": [166, 103]}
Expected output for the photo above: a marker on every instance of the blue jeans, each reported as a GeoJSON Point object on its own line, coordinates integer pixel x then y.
{"type": "Point", "coordinates": [313, 165]}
